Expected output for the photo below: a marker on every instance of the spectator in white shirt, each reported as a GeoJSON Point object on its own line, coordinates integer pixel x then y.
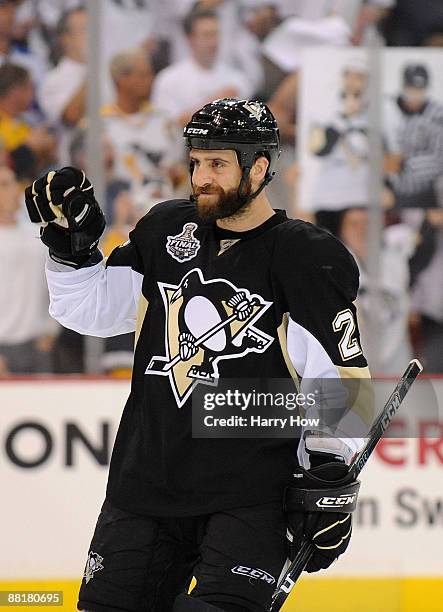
{"type": "Point", "coordinates": [63, 91]}
{"type": "Point", "coordinates": [26, 330]}
{"type": "Point", "coordinates": [189, 84]}
{"type": "Point", "coordinates": [147, 144]}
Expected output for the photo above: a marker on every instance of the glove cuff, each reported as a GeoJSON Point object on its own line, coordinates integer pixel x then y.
{"type": "Point", "coordinates": [74, 246]}
{"type": "Point", "coordinates": [84, 261]}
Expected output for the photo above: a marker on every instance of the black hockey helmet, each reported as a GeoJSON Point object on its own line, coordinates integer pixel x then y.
{"type": "Point", "coordinates": [246, 126]}
{"type": "Point", "coordinates": [416, 75]}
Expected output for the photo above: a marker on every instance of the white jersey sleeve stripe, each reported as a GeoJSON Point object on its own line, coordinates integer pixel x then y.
{"type": "Point", "coordinates": [307, 355]}
{"type": "Point", "coordinates": [313, 363]}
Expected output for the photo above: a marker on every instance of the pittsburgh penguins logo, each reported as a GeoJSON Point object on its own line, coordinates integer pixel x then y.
{"type": "Point", "coordinates": [255, 108]}
{"type": "Point", "coordinates": [93, 564]}
{"type": "Point", "coordinates": [206, 321]}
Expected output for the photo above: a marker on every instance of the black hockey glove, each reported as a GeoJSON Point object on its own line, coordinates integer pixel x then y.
{"type": "Point", "coordinates": [318, 505]}
{"type": "Point", "coordinates": [71, 220]}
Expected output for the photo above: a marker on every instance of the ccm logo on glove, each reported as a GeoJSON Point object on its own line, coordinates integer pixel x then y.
{"type": "Point", "coordinates": [335, 502]}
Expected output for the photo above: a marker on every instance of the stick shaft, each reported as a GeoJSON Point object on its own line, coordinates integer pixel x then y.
{"type": "Point", "coordinates": [376, 432]}
{"type": "Point", "coordinates": [387, 414]}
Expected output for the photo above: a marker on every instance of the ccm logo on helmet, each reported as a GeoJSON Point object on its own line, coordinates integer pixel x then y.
{"type": "Point", "coordinates": [196, 131]}
{"type": "Point", "coordinates": [335, 502]}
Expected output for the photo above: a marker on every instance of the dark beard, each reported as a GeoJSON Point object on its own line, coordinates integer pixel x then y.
{"type": "Point", "coordinates": [229, 203]}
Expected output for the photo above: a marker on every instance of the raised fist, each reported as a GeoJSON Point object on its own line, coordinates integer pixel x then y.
{"type": "Point", "coordinates": [71, 220]}
{"type": "Point", "coordinates": [45, 197]}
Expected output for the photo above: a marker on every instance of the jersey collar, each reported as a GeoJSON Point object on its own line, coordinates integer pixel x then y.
{"type": "Point", "coordinates": [279, 217]}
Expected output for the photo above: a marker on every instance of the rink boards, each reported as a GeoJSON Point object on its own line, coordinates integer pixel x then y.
{"type": "Point", "coordinates": [55, 443]}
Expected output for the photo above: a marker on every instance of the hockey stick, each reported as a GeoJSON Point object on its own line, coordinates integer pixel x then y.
{"type": "Point", "coordinates": [157, 364]}
{"type": "Point", "coordinates": [376, 432]}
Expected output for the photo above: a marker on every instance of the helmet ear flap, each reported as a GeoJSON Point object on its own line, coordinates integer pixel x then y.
{"type": "Point", "coordinates": [246, 169]}
{"type": "Point", "coordinates": [247, 156]}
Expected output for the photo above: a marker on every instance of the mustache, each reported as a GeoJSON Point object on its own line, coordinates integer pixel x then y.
{"type": "Point", "coordinates": [206, 190]}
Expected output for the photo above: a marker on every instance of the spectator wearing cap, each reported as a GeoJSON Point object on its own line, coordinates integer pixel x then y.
{"type": "Point", "coordinates": [206, 78]}
{"type": "Point", "coordinates": [413, 130]}
{"type": "Point", "coordinates": [30, 148]}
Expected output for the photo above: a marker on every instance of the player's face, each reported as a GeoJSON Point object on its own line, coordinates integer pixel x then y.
{"type": "Point", "coordinates": [353, 93]}
{"type": "Point", "coordinates": [215, 180]}
{"type": "Point", "coordinates": [414, 97]}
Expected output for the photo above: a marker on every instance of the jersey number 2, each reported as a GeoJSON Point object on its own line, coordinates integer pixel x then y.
{"type": "Point", "coordinates": [348, 346]}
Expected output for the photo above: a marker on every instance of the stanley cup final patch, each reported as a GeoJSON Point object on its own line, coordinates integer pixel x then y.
{"type": "Point", "coordinates": [183, 246]}
{"type": "Point", "coordinates": [93, 564]}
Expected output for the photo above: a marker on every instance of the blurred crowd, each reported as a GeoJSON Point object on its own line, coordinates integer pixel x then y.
{"type": "Point", "coordinates": [163, 59]}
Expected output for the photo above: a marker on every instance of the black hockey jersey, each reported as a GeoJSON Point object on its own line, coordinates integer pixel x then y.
{"type": "Point", "coordinates": [179, 283]}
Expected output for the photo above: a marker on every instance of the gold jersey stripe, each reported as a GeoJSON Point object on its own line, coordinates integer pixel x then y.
{"type": "Point", "coordinates": [361, 396]}
{"type": "Point", "coordinates": [282, 338]}
{"type": "Point", "coordinates": [142, 307]}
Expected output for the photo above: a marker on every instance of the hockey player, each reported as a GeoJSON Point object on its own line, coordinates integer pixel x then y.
{"type": "Point", "coordinates": [218, 286]}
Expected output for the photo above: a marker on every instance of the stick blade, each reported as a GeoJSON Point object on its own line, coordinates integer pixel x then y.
{"type": "Point", "coordinates": [158, 365]}
{"type": "Point", "coordinates": [417, 363]}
